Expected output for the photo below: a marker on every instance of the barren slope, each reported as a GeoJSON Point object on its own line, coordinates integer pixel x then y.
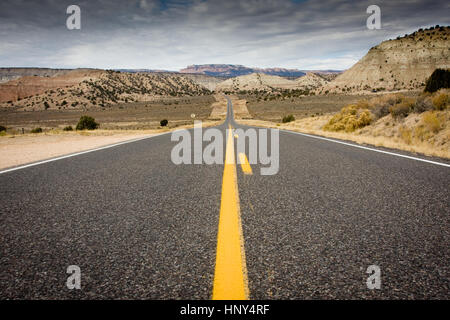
{"type": "Point", "coordinates": [27, 86]}
{"type": "Point", "coordinates": [311, 81]}
{"type": "Point", "coordinates": [256, 81]}
{"type": "Point", "coordinates": [108, 88]}
{"type": "Point", "coordinates": [403, 63]}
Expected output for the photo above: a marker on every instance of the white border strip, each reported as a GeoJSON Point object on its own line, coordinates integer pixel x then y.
{"type": "Point", "coordinates": [80, 153]}
{"type": "Point", "coordinates": [370, 149]}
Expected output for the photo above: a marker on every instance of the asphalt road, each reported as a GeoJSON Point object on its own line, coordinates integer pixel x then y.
{"type": "Point", "coordinates": [139, 226]}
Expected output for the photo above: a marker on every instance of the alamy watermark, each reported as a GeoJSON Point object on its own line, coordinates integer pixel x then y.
{"type": "Point", "coordinates": [74, 280]}
{"type": "Point", "coordinates": [73, 22]}
{"type": "Point", "coordinates": [374, 280]}
{"type": "Point", "coordinates": [374, 20]}
{"type": "Point", "coordinates": [190, 150]}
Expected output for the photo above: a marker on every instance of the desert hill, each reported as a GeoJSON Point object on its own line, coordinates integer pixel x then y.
{"type": "Point", "coordinates": [209, 82]}
{"type": "Point", "coordinates": [110, 87]}
{"type": "Point", "coordinates": [311, 81]}
{"type": "Point", "coordinates": [255, 81]}
{"type": "Point", "coordinates": [264, 82]}
{"type": "Point", "coordinates": [402, 63]}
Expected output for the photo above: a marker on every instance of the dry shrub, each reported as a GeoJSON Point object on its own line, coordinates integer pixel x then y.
{"type": "Point", "coordinates": [422, 104]}
{"type": "Point", "coordinates": [402, 108]}
{"type": "Point", "coordinates": [432, 122]}
{"type": "Point", "coordinates": [349, 119]}
{"type": "Point", "coordinates": [421, 133]}
{"type": "Point", "coordinates": [405, 134]}
{"type": "Point", "coordinates": [441, 101]}
{"type": "Point", "coordinates": [380, 106]}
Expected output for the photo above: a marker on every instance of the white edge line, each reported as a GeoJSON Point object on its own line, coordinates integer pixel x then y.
{"type": "Point", "coordinates": [81, 152]}
{"type": "Point", "coordinates": [367, 148]}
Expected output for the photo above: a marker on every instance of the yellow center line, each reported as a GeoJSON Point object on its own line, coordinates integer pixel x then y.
{"type": "Point", "coordinates": [230, 277]}
{"type": "Point", "coordinates": [245, 165]}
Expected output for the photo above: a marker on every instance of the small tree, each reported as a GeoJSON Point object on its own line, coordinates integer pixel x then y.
{"type": "Point", "coordinates": [439, 79]}
{"type": "Point", "coordinates": [288, 118]}
{"type": "Point", "coordinates": [2, 128]}
{"type": "Point", "coordinates": [164, 122]}
{"type": "Point", "coordinates": [36, 130]}
{"type": "Point", "coordinates": [87, 123]}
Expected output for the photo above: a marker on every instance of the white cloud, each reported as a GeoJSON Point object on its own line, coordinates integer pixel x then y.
{"type": "Point", "coordinates": [259, 33]}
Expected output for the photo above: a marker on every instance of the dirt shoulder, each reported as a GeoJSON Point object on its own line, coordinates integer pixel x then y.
{"type": "Point", "coordinates": [28, 148]}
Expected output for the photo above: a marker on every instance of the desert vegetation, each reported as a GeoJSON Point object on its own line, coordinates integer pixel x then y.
{"type": "Point", "coordinates": [399, 106]}
{"type": "Point", "coordinates": [36, 130]}
{"type": "Point", "coordinates": [288, 118]}
{"type": "Point", "coordinates": [87, 123]}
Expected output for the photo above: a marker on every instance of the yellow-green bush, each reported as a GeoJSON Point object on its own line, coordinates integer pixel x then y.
{"type": "Point", "coordinates": [441, 101]}
{"type": "Point", "coordinates": [432, 121]}
{"type": "Point", "coordinates": [349, 119]}
{"type": "Point", "coordinates": [405, 134]}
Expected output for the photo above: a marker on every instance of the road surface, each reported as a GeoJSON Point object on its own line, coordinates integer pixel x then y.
{"type": "Point", "coordinates": [141, 227]}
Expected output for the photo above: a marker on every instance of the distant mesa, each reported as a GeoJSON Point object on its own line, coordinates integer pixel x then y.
{"type": "Point", "coordinates": [230, 70]}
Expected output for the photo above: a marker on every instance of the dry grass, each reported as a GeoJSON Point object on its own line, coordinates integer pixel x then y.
{"type": "Point", "coordinates": [418, 133]}
{"type": "Point", "coordinates": [123, 116]}
{"type": "Point", "coordinates": [299, 107]}
{"type": "Point", "coordinates": [109, 132]}
{"type": "Point", "coordinates": [349, 119]}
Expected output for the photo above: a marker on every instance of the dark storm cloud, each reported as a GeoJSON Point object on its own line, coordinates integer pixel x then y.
{"type": "Point", "coordinates": [172, 34]}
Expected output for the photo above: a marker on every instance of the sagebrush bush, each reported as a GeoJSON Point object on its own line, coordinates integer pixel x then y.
{"type": "Point", "coordinates": [349, 119]}
{"type": "Point", "coordinates": [406, 134]}
{"type": "Point", "coordinates": [441, 101]}
{"type": "Point", "coordinates": [432, 121]}
{"type": "Point", "coordinates": [68, 128]}
{"type": "Point", "coordinates": [380, 106]}
{"type": "Point", "coordinates": [402, 109]}
{"type": "Point", "coordinates": [164, 122]}
{"type": "Point", "coordinates": [36, 130]}
{"type": "Point", "coordinates": [288, 118]}
{"type": "Point", "coordinates": [87, 123]}
{"type": "Point", "coordinates": [423, 104]}
{"type": "Point", "coordinates": [2, 128]}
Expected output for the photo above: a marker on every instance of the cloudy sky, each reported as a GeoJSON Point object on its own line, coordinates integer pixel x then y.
{"type": "Point", "coordinates": [171, 34]}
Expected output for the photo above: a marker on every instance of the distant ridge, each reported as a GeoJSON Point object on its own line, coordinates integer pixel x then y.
{"type": "Point", "coordinates": [231, 70]}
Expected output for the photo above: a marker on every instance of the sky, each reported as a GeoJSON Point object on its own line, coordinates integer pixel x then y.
{"type": "Point", "coordinates": [172, 34]}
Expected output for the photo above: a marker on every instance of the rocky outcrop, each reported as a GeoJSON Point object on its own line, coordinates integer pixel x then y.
{"type": "Point", "coordinates": [403, 63]}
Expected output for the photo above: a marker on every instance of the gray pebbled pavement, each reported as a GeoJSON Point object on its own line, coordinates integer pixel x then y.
{"type": "Point", "coordinates": [140, 227]}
